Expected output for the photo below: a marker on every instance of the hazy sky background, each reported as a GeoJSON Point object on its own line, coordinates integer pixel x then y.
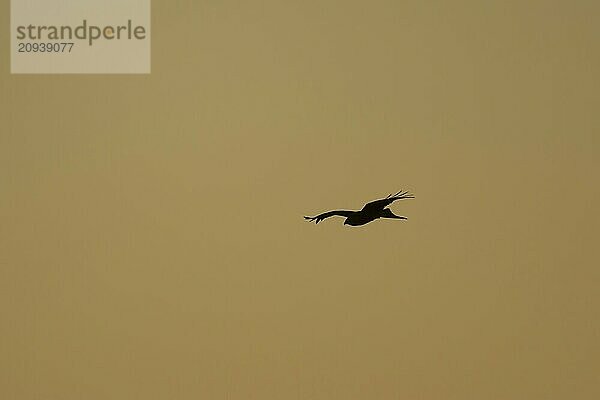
{"type": "Point", "coordinates": [152, 244]}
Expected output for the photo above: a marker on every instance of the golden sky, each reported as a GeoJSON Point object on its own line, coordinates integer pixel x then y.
{"type": "Point", "coordinates": [152, 244]}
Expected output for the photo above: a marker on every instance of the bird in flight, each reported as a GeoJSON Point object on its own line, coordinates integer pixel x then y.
{"type": "Point", "coordinates": [370, 212]}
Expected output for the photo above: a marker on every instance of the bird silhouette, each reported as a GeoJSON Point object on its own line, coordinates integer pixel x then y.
{"type": "Point", "coordinates": [370, 212]}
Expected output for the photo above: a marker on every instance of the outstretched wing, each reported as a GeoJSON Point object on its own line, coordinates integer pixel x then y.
{"type": "Point", "coordinates": [321, 217]}
{"type": "Point", "coordinates": [379, 205]}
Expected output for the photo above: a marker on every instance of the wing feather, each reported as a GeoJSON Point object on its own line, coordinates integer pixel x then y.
{"type": "Point", "coordinates": [379, 205]}
{"type": "Point", "coordinates": [339, 213]}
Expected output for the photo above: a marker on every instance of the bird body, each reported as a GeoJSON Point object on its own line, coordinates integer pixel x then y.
{"type": "Point", "coordinates": [370, 212]}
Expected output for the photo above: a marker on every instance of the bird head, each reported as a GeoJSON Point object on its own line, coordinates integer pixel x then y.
{"type": "Point", "coordinates": [387, 213]}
